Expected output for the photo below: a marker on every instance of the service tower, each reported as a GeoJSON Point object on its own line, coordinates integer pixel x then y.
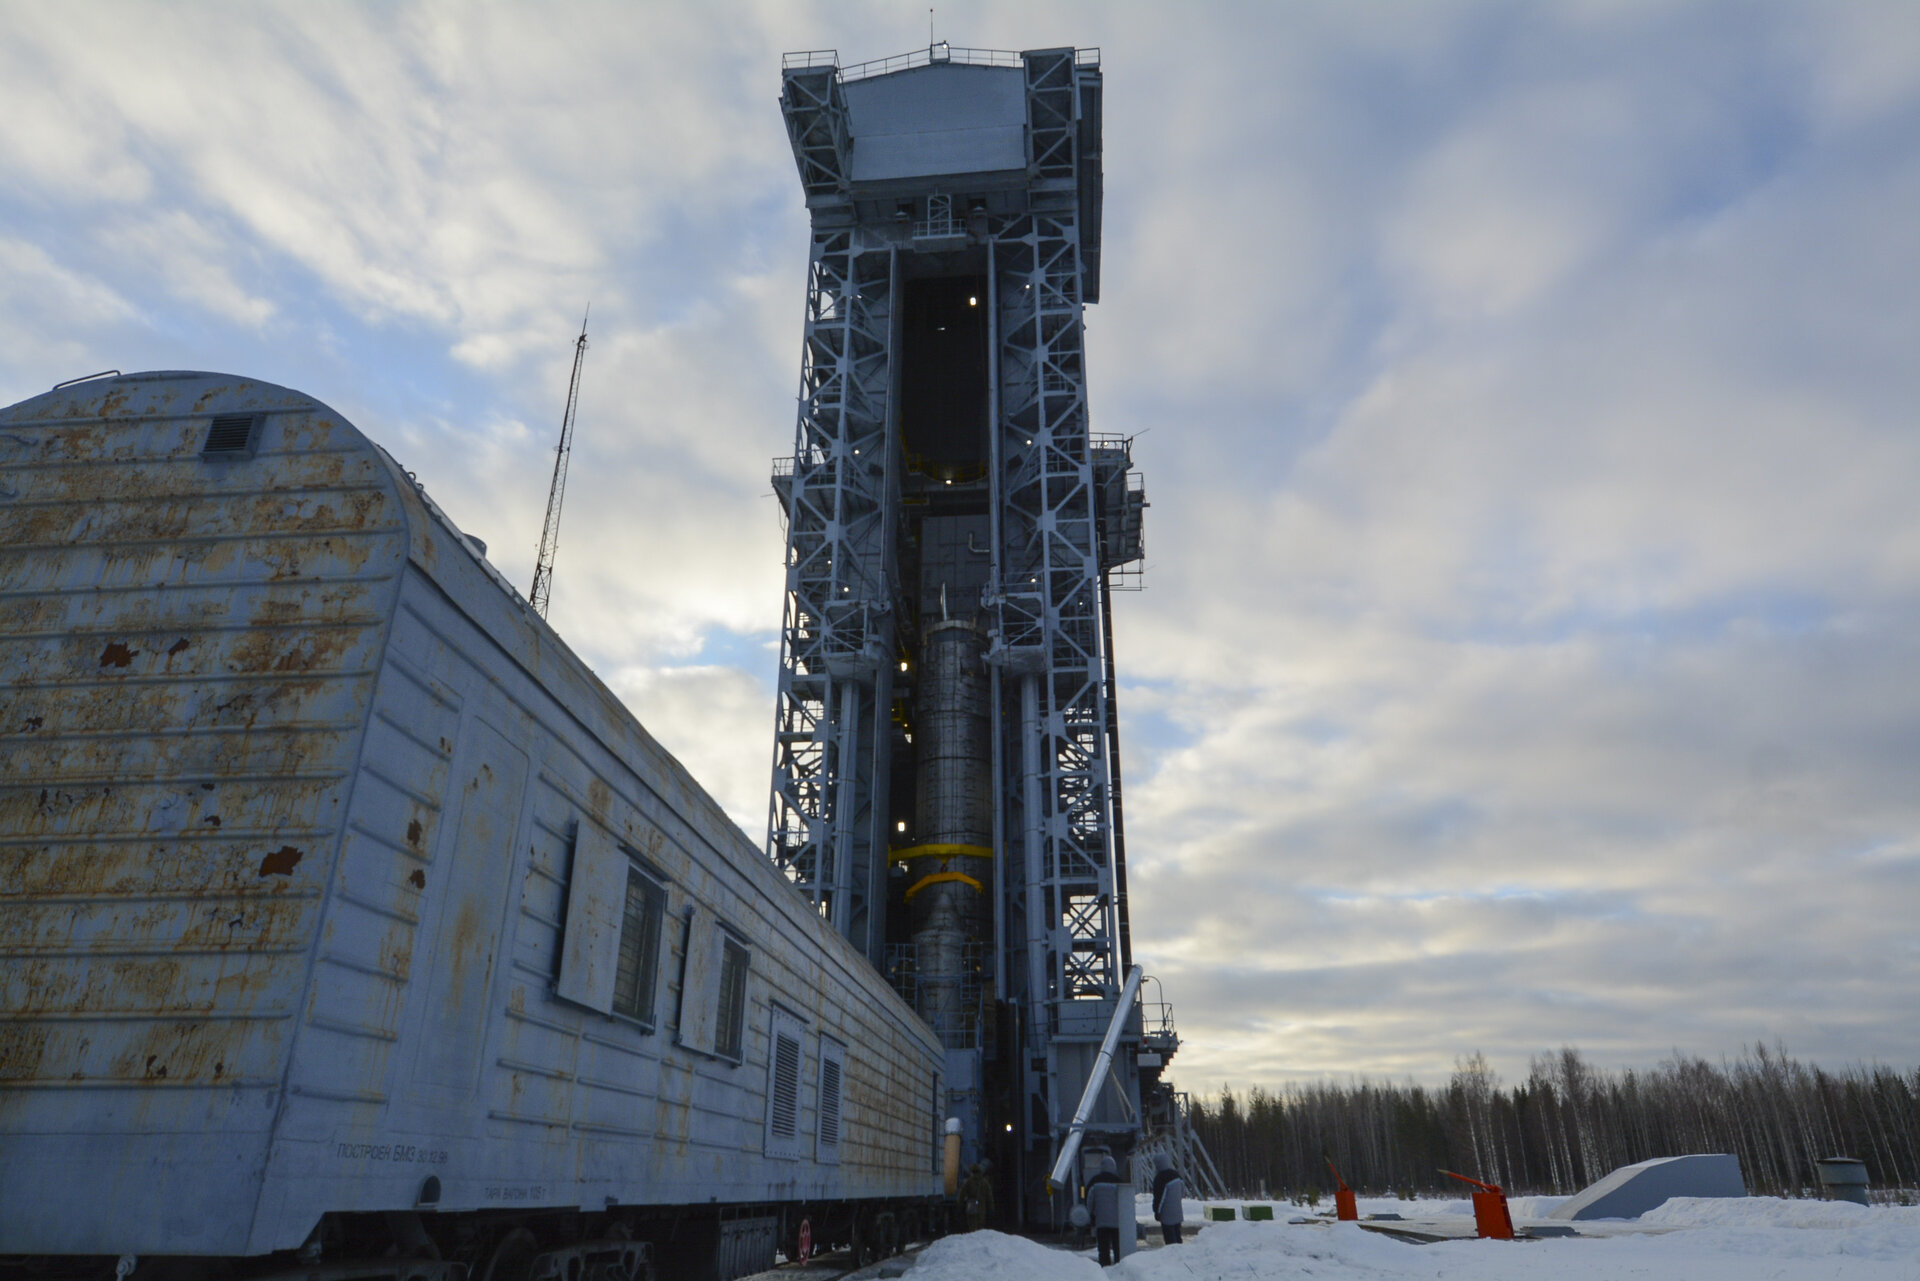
{"type": "Point", "coordinates": [946, 775]}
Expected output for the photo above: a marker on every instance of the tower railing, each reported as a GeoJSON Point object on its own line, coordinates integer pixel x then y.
{"type": "Point", "coordinates": [939, 53]}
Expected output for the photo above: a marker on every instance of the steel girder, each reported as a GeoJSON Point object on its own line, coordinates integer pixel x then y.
{"type": "Point", "coordinates": [1048, 601]}
{"type": "Point", "coordinates": [839, 493]}
{"type": "Point", "coordinates": [816, 114]}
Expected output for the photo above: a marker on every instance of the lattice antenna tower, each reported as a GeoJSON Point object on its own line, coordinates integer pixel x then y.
{"type": "Point", "coordinates": [550, 532]}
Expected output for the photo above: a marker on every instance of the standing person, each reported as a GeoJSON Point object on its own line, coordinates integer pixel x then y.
{"type": "Point", "coordinates": [1169, 1192]}
{"type": "Point", "coordinates": [976, 1197]}
{"type": "Point", "coordinates": [1103, 1203]}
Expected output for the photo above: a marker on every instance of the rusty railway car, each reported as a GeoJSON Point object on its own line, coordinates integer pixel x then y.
{"type": "Point", "coordinates": [350, 927]}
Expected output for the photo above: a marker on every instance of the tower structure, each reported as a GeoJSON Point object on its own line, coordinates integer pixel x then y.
{"type": "Point", "coordinates": [946, 785]}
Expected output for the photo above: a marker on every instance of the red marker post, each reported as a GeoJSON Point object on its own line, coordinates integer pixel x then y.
{"type": "Point", "coordinates": [1343, 1202]}
{"type": "Point", "coordinates": [1490, 1215]}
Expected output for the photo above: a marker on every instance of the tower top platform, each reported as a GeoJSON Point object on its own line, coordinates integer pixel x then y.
{"type": "Point", "coordinates": [990, 132]}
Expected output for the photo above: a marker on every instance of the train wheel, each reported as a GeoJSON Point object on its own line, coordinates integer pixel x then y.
{"type": "Point", "coordinates": [512, 1257]}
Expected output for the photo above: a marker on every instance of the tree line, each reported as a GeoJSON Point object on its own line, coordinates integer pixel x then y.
{"type": "Point", "coordinates": [1567, 1125]}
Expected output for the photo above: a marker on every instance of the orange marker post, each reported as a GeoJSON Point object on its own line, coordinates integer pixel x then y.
{"type": "Point", "coordinates": [1343, 1197]}
{"type": "Point", "coordinates": [1490, 1216]}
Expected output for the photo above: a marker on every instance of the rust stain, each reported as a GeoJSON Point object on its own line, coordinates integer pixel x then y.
{"type": "Point", "coordinates": [116, 655]}
{"type": "Point", "coordinates": [266, 650]}
{"type": "Point", "coordinates": [413, 833]}
{"type": "Point", "coordinates": [468, 945]}
{"type": "Point", "coordinates": [178, 647]}
{"type": "Point", "coordinates": [213, 819]}
{"type": "Point", "coordinates": [22, 1048]}
{"type": "Point", "coordinates": [187, 1051]}
{"type": "Point", "coordinates": [281, 862]}
{"type": "Point", "coordinates": [418, 879]}
{"type": "Point", "coordinates": [33, 722]}
{"type": "Point", "coordinates": [396, 952]}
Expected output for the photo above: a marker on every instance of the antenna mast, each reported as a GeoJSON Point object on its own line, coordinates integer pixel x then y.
{"type": "Point", "coordinates": [550, 534]}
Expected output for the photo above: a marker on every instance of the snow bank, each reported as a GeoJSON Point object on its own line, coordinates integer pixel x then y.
{"type": "Point", "coordinates": [1767, 1212]}
{"type": "Point", "coordinates": [1258, 1251]}
{"type": "Point", "coordinates": [1704, 1239]}
{"type": "Point", "coordinates": [1881, 1249]}
{"type": "Point", "coordinates": [972, 1256]}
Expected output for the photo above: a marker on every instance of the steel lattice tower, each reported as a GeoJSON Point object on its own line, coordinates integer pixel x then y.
{"type": "Point", "coordinates": [954, 530]}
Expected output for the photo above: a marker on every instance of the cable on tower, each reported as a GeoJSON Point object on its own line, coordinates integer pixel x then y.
{"type": "Point", "coordinates": [550, 532]}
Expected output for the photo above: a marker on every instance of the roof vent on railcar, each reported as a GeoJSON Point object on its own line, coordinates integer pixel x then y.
{"type": "Point", "coordinates": [232, 436]}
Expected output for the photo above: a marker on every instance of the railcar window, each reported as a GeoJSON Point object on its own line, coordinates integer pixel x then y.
{"type": "Point", "coordinates": [733, 1001]}
{"type": "Point", "coordinates": [636, 978]}
{"type": "Point", "coordinates": [615, 931]}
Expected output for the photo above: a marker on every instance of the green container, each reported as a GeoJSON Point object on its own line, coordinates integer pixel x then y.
{"type": "Point", "coordinates": [1259, 1212]}
{"type": "Point", "coordinates": [1219, 1213]}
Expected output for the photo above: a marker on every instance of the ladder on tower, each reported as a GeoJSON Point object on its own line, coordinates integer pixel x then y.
{"type": "Point", "coordinates": [1179, 1141]}
{"type": "Point", "coordinates": [550, 532]}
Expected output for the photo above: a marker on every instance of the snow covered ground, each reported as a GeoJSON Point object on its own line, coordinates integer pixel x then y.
{"type": "Point", "coordinates": [1699, 1240]}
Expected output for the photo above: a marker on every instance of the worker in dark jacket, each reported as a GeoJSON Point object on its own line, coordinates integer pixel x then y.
{"type": "Point", "coordinates": [976, 1197]}
{"type": "Point", "coordinates": [1169, 1192]}
{"type": "Point", "coordinates": [1103, 1203]}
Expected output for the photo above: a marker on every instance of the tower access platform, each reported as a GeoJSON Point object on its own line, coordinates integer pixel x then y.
{"type": "Point", "coordinates": [946, 775]}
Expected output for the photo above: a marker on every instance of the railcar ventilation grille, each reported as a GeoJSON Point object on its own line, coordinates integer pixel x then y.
{"type": "Point", "coordinates": [829, 1103]}
{"type": "Point", "coordinates": [786, 1086]}
{"type": "Point", "coordinates": [231, 436]}
{"type": "Point", "coordinates": [786, 1035]}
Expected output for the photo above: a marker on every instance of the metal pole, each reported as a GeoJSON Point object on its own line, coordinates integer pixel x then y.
{"type": "Point", "coordinates": [1070, 1147]}
{"type": "Point", "coordinates": [997, 724]}
{"type": "Point", "coordinates": [848, 765]}
{"type": "Point", "coordinates": [1037, 965]}
{"type": "Point", "coordinates": [1113, 772]}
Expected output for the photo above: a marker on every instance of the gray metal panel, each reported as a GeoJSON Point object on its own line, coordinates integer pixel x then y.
{"type": "Point", "coordinates": [191, 647]}
{"type": "Point", "coordinates": [1632, 1190]}
{"type": "Point", "coordinates": [937, 121]}
{"type": "Point", "coordinates": [700, 982]}
{"type": "Point", "coordinates": [590, 959]}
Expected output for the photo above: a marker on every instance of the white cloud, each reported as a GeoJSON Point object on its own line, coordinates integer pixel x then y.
{"type": "Point", "coordinates": [1527, 396]}
{"type": "Point", "coordinates": [719, 722]}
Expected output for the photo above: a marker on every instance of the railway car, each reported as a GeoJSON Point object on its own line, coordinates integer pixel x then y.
{"type": "Point", "coordinates": [351, 927]}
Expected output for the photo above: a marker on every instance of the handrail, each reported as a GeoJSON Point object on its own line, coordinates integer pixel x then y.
{"type": "Point", "coordinates": [933, 55]}
{"type": "Point", "coordinates": [939, 53]}
{"type": "Point", "coordinates": [87, 378]}
{"type": "Point", "coordinates": [801, 59]}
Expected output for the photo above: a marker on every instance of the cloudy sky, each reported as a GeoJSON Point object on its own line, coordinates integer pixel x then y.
{"type": "Point", "coordinates": [1526, 393]}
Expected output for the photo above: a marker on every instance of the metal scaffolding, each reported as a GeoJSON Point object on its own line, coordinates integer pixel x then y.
{"type": "Point", "coordinates": [838, 492]}
{"type": "Point", "coordinates": [934, 179]}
